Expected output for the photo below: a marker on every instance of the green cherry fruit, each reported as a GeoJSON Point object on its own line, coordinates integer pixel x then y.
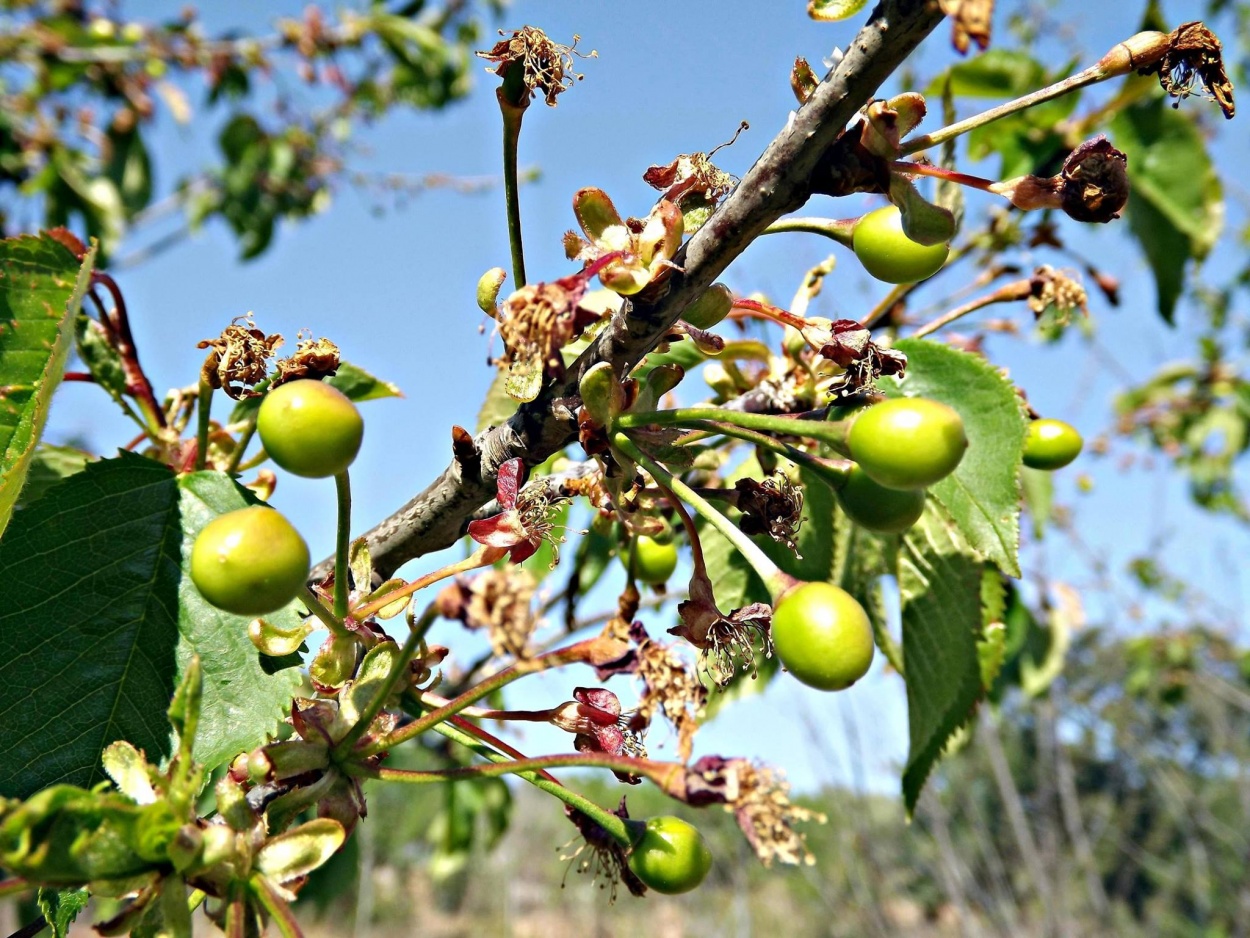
{"type": "Point", "coordinates": [654, 562]}
{"type": "Point", "coordinates": [822, 636]}
{"type": "Point", "coordinates": [1051, 444]}
{"type": "Point", "coordinates": [877, 508]}
{"type": "Point", "coordinates": [310, 428]}
{"type": "Point", "coordinates": [671, 856]}
{"type": "Point", "coordinates": [250, 562]}
{"type": "Point", "coordinates": [907, 442]}
{"type": "Point", "coordinates": [888, 254]}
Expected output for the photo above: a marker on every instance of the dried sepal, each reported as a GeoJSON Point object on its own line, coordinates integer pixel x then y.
{"type": "Point", "coordinates": [1093, 185]}
{"type": "Point", "coordinates": [693, 183]}
{"type": "Point", "coordinates": [886, 123]}
{"type": "Point", "coordinates": [803, 80]}
{"type": "Point", "coordinates": [772, 506]}
{"type": "Point", "coordinates": [1194, 55]}
{"type": "Point", "coordinates": [635, 251]}
{"type": "Point", "coordinates": [725, 642]}
{"type": "Point", "coordinates": [314, 359]}
{"type": "Point", "coordinates": [600, 855]}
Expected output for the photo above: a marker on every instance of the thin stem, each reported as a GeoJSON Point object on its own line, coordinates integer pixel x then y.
{"type": "Point", "coordinates": [941, 172]}
{"type": "Point", "coordinates": [832, 432]}
{"type": "Point", "coordinates": [342, 545]}
{"type": "Point", "coordinates": [512, 117]}
{"type": "Point", "coordinates": [398, 669]}
{"type": "Point", "coordinates": [241, 446]}
{"type": "Point", "coordinates": [613, 825]}
{"type": "Point", "coordinates": [12, 886]}
{"type": "Point", "coordinates": [839, 229]}
{"type": "Point", "coordinates": [204, 408]}
{"type": "Point", "coordinates": [318, 608]}
{"type": "Point", "coordinates": [826, 469]}
{"type": "Point", "coordinates": [552, 659]}
{"type": "Point", "coordinates": [482, 557]}
{"type": "Point", "coordinates": [773, 578]}
{"type": "Point", "coordinates": [1018, 290]}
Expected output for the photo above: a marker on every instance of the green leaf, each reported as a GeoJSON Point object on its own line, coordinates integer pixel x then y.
{"type": "Point", "coordinates": [1177, 206]}
{"type": "Point", "coordinates": [862, 559]}
{"type": "Point", "coordinates": [361, 386]}
{"type": "Point", "coordinates": [497, 406]}
{"type": "Point", "coordinates": [998, 73]}
{"type": "Point", "coordinates": [61, 907]}
{"type": "Point", "coordinates": [95, 633]}
{"type": "Point", "coordinates": [1038, 487]}
{"type": "Point", "coordinates": [41, 288]}
{"type": "Point", "coordinates": [940, 586]}
{"type": "Point", "coordinates": [983, 493]}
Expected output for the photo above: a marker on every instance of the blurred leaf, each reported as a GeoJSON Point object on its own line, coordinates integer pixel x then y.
{"type": "Point", "coordinates": [49, 466]}
{"type": "Point", "coordinates": [41, 288]}
{"type": "Point", "coordinates": [1038, 487]}
{"type": "Point", "coordinates": [93, 640]}
{"type": "Point", "coordinates": [1177, 208]}
{"type": "Point", "coordinates": [831, 10]}
{"type": "Point", "coordinates": [983, 493]}
{"type": "Point", "coordinates": [497, 406]}
{"type": "Point", "coordinates": [940, 586]}
{"type": "Point", "coordinates": [998, 73]}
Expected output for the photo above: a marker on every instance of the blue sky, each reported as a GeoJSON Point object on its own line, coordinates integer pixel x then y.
{"type": "Point", "coordinates": [395, 291]}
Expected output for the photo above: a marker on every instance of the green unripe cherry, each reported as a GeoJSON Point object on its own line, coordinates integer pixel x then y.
{"type": "Point", "coordinates": [888, 254]}
{"type": "Point", "coordinates": [907, 442]}
{"type": "Point", "coordinates": [1051, 444]}
{"type": "Point", "coordinates": [877, 508]}
{"type": "Point", "coordinates": [310, 428]}
{"type": "Point", "coordinates": [654, 562]}
{"type": "Point", "coordinates": [671, 856]}
{"type": "Point", "coordinates": [250, 562]}
{"type": "Point", "coordinates": [822, 636]}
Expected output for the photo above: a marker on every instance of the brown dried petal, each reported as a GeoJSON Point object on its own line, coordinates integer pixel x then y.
{"type": "Point", "coordinates": [1094, 181]}
{"type": "Point", "coordinates": [1195, 54]}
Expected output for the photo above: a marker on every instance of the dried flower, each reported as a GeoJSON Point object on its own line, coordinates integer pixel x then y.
{"type": "Point", "coordinates": [546, 66]}
{"type": "Point", "coordinates": [759, 798]}
{"type": "Point", "coordinates": [312, 359]}
{"type": "Point", "coordinates": [239, 358]}
{"type": "Point", "coordinates": [604, 857]}
{"type": "Point", "coordinates": [723, 640]}
{"type": "Point", "coordinates": [773, 506]}
{"type": "Point", "coordinates": [594, 715]}
{"type": "Point", "coordinates": [669, 686]}
{"type": "Point", "coordinates": [497, 600]}
{"type": "Point", "coordinates": [1093, 185]}
{"type": "Point", "coordinates": [525, 521]}
{"type": "Point", "coordinates": [1194, 55]}
{"type": "Point", "coordinates": [635, 252]}
{"type": "Point", "coordinates": [1054, 289]}
{"type": "Point", "coordinates": [849, 345]}
{"type": "Point", "coordinates": [536, 322]}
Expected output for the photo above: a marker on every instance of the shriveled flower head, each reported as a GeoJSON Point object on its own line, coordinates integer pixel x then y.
{"type": "Point", "coordinates": [239, 358]}
{"type": "Point", "coordinates": [594, 715]}
{"type": "Point", "coordinates": [536, 322]}
{"type": "Point", "coordinates": [600, 855]}
{"type": "Point", "coordinates": [1195, 55]}
{"type": "Point", "coordinates": [847, 344]}
{"type": "Point", "coordinates": [693, 183]}
{"type": "Point", "coordinates": [526, 519]}
{"type": "Point", "coordinates": [773, 506]}
{"type": "Point", "coordinates": [670, 686]}
{"type": "Point", "coordinates": [546, 67]}
{"type": "Point", "coordinates": [1051, 288]}
{"type": "Point", "coordinates": [759, 798]}
{"type": "Point", "coordinates": [1093, 185]}
{"type": "Point", "coordinates": [498, 600]}
{"type": "Point", "coordinates": [312, 359]}
{"type": "Point", "coordinates": [724, 641]}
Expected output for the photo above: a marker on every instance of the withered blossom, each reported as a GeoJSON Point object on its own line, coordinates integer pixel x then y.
{"type": "Point", "coordinates": [498, 600]}
{"type": "Point", "coordinates": [970, 21]}
{"type": "Point", "coordinates": [670, 686]}
{"type": "Point", "coordinates": [772, 506]}
{"type": "Point", "coordinates": [601, 856]}
{"type": "Point", "coordinates": [525, 521]}
{"type": "Point", "coordinates": [693, 183]}
{"type": "Point", "coordinates": [759, 798]}
{"type": "Point", "coordinates": [239, 358]}
{"type": "Point", "coordinates": [1093, 185]}
{"type": "Point", "coordinates": [535, 322]}
{"type": "Point", "coordinates": [1194, 55]}
{"type": "Point", "coordinates": [628, 254]}
{"type": "Point", "coordinates": [595, 718]}
{"type": "Point", "coordinates": [849, 345]}
{"type": "Point", "coordinates": [723, 640]}
{"type": "Point", "coordinates": [546, 66]}
{"type": "Point", "coordinates": [1053, 288]}
{"type": "Point", "coordinates": [312, 359]}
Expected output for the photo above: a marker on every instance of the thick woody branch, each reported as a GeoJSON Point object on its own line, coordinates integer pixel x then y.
{"type": "Point", "coordinates": [779, 182]}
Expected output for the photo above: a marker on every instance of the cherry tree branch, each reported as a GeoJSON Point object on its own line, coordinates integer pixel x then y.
{"type": "Point", "coordinates": [795, 164]}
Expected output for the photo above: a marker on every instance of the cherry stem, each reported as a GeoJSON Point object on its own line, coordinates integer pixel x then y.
{"type": "Point", "coordinates": [1010, 292]}
{"type": "Point", "coordinates": [571, 654]}
{"type": "Point", "coordinates": [342, 547]}
{"type": "Point", "coordinates": [778, 315]}
{"type": "Point", "coordinates": [833, 472]}
{"type": "Point", "coordinates": [512, 117]}
{"type": "Point", "coordinates": [123, 341]}
{"type": "Point", "coordinates": [614, 826]}
{"type": "Point", "coordinates": [909, 168]}
{"type": "Point", "coordinates": [773, 578]}
{"type": "Point", "coordinates": [482, 557]}
{"type": "Point", "coordinates": [832, 432]}
{"type": "Point", "coordinates": [318, 608]}
{"type": "Point", "coordinates": [489, 739]}
{"type": "Point", "coordinates": [1123, 58]}
{"type": "Point", "coordinates": [839, 229]}
{"type": "Point", "coordinates": [398, 669]}
{"type": "Point", "coordinates": [204, 408]}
